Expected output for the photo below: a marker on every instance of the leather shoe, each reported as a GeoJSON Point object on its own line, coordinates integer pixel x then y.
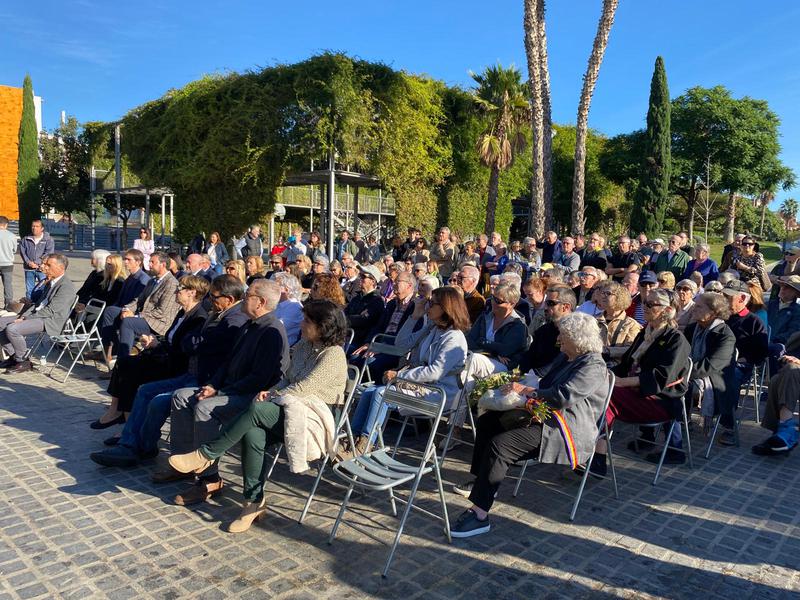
{"type": "Point", "coordinates": [21, 367]}
{"type": "Point", "coordinates": [112, 441]}
{"type": "Point", "coordinates": [98, 424]}
{"type": "Point", "coordinates": [168, 474]}
{"type": "Point", "coordinates": [199, 492]}
{"type": "Point", "coordinates": [8, 363]}
{"type": "Point", "coordinates": [119, 456]}
{"type": "Point", "coordinates": [251, 512]}
{"type": "Point", "coordinates": [193, 462]}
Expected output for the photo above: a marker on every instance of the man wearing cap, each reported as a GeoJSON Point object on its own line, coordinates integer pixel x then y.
{"type": "Point", "coordinates": [673, 259]}
{"type": "Point", "coordinates": [790, 265]}
{"type": "Point", "coordinates": [785, 319]}
{"type": "Point", "coordinates": [588, 277]}
{"type": "Point", "coordinates": [656, 247]}
{"type": "Point", "coordinates": [365, 309]}
{"type": "Point", "coordinates": [647, 281]}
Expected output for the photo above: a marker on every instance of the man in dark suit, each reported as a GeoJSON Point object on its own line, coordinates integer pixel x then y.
{"type": "Point", "coordinates": [364, 311]}
{"type": "Point", "coordinates": [132, 288]}
{"type": "Point", "coordinates": [151, 405]}
{"type": "Point", "coordinates": [48, 315]}
{"type": "Point", "coordinates": [258, 361]}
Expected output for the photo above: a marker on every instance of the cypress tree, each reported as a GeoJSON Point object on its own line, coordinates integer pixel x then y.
{"type": "Point", "coordinates": [652, 195]}
{"type": "Point", "coordinates": [28, 195]}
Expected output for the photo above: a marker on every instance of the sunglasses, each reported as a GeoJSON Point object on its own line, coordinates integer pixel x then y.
{"type": "Point", "coordinates": [552, 302]}
{"type": "Point", "coordinates": [748, 243]}
{"type": "Point", "coordinates": [497, 300]}
{"type": "Point", "coordinates": [652, 304]}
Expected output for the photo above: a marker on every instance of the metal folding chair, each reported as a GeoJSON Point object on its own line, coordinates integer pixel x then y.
{"type": "Point", "coordinates": [85, 332]}
{"type": "Point", "coordinates": [66, 327]}
{"type": "Point", "coordinates": [682, 421]}
{"type": "Point", "coordinates": [602, 432]}
{"type": "Point", "coordinates": [343, 432]}
{"type": "Point", "coordinates": [377, 471]}
{"type": "Point", "coordinates": [381, 344]}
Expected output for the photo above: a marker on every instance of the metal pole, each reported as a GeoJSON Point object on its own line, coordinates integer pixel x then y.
{"type": "Point", "coordinates": [93, 212]}
{"type": "Point", "coordinates": [171, 216]}
{"type": "Point", "coordinates": [331, 199]}
{"type": "Point", "coordinates": [355, 210]}
{"type": "Point", "coordinates": [380, 208]}
{"type": "Point", "coordinates": [163, 218]}
{"type": "Point", "coordinates": [311, 206]}
{"type": "Point", "coordinates": [271, 231]}
{"type": "Point", "coordinates": [117, 182]}
{"type": "Point", "coordinates": [147, 211]}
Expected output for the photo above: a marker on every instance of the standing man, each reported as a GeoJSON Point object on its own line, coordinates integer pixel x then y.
{"type": "Point", "coordinates": [673, 259]}
{"type": "Point", "coordinates": [8, 248]}
{"type": "Point", "coordinates": [48, 315]}
{"type": "Point", "coordinates": [623, 261]}
{"type": "Point", "coordinates": [345, 246]}
{"type": "Point", "coordinates": [444, 252]}
{"type": "Point", "coordinates": [250, 243]}
{"type": "Point", "coordinates": [33, 249]}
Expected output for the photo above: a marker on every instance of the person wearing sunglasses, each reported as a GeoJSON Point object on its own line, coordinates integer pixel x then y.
{"type": "Point", "coordinates": [790, 265]}
{"type": "Point", "coordinates": [650, 382]}
{"type": "Point", "coordinates": [559, 302]}
{"type": "Point", "coordinates": [647, 281]}
{"type": "Point", "coordinates": [750, 264]}
{"type": "Point", "coordinates": [498, 338]}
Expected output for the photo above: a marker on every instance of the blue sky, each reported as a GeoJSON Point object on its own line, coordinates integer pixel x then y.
{"type": "Point", "coordinates": [97, 60]}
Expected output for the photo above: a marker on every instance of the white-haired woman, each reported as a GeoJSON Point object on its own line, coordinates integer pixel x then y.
{"type": "Point", "coordinates": [290, 308]}
{"type": "Point", "coordinates": [650, 382]}
{"type": "Point", "coordinates": [94, 281]}
{"type": "Point", "coordinates": [574, 389]}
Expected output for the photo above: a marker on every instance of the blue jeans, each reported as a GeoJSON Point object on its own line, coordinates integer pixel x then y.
{"type": "Point", "coordinates": [31, 279]}
{"type": "Point", "coordinates": [151, 407]}
{"type": "Point", "coordinates": [370, 409]}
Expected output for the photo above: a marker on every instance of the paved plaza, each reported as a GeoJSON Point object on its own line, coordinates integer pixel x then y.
{"type": "Point", "coordinates": [71, 529]}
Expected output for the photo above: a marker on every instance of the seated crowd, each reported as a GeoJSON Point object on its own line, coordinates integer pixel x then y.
{"type": "Point", "coordinates": [232, 352]}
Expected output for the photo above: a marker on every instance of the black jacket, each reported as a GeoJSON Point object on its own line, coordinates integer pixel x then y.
{"type": "Point", "coordinates": [363, 313]}
{"type": "Point", "coordinates": [258, 360]}
{"type": "Point", "coordinates": [213, 343]}
{"type": "Point", "coordinates": [177, 357]}
{"type": "Point", "coordinates": [91, 287]}
{"type": "Point", "coordinates": [661, 367]}
{"type": "Point", "coordinates": [386, 316]}
{"type": "Point", "coordinates": [544, 348]}
{"type": "Point", "coordinates": [718, 363]}
{"type": "Point", "coordinates": [751, 337]}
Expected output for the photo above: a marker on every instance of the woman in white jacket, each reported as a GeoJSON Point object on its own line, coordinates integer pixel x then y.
{"type": "Point", "coordinates": [434, 333]}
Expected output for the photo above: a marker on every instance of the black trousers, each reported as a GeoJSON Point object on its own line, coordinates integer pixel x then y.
{"type": "Point", "coordinates": [495, 451]}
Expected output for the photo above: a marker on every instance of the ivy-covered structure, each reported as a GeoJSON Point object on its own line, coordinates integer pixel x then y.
{"type": "Point", "coordinates": [225, 144]}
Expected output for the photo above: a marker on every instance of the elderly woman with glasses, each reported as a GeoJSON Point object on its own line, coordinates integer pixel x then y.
{"type": "Point", "coordinates": [651, 380]}
{"type": "Point", "coordinates": [617, 329]}
{"type": "Point", "coordinates": [750, 264]}
{"type": "Point", "coordinates": [574, 389]}
{"type": "Point", "coordinates": [434, 335]}
{"type": "Point", "coordinates": [499, 337]}
{"type": "Point", "coordinates": [702, 264]}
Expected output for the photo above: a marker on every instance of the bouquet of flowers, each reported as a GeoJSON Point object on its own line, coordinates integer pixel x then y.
{"type": "Point", "coordinates": [488, 396]}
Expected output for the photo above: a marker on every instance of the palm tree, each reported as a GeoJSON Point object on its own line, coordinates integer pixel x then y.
{"type": "Point", "coordinates": [582, 127]}
{"type": "Point", "coordinates": [541, 122]}
{"type": "Point", "coordinates": [500, 95]}
{"type": "Point", "coordinates": [789, 211]}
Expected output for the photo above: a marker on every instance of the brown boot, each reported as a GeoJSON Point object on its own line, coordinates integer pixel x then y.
{"type": "Point", "coordinates": [192, 462]}
{"type": "Point", "coordinates": [251, 512]}
{"type": "Point", "coordinates": [199, 492]}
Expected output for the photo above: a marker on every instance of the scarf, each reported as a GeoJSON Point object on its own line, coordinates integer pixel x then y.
{"type": "Point", "coordinates": [699, 340]}
{"type": "Point", "coordinates": [651, 334]}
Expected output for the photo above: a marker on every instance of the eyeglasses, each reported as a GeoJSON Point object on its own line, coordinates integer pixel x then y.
{"type": "Point", "coordinates": [748, 244]}
{"type": "Point", "coordinates": [652, 304]}
{"type": "Point", "coordinates": [683, 289]}
{"type": "Point", "coordinates": [497, 300]}
{"type": "Point", "coordinates": [552, 302]}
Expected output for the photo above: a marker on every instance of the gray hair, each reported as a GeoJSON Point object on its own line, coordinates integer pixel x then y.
{"type": "Point", "coordinates": [406, 276]}
{"type": "Point", "coordinates": [507, 292]}
{"type": "Point", "coordinates": [565, 295]}
{"type": "Point", "coordinates": [704, 247]}
{"type": "Point", "coordinates": [727, 276]}
{"type": "Point", "coordinates": [267, 289]}
{"type": "Point", "coordinates": [100, 257]}
{"type": "Point", "coordinates": [471, 271]}
{"type": "Point", "coordinates": [511, 277]}
{"type": "Point", "coordinates": [583, 331]}
{"type": "Point", "coordinates": [290, 284]}
{"type": "Point", "coordinates": [59, 258]}
{"type": "Point", "coordinates": [713, 286]}
{"type": "Point", "coordinates": [432, 281]}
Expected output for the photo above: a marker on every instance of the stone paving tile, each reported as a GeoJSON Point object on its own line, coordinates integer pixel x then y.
{"type": "Point", "coordinates": [730, 528]}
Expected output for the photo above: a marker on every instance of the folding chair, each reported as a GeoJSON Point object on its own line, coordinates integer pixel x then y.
{"type": "Point", "coordinates": [343, 432]}
{"type": "Point", "coordinates": [382, 344]}
{"type": "Point", "coordinates": [377, 471]}
{"type": "Point", "coordinates": [66, 327]}
{"type": "Point", "coordinates": [736, 420]}
{"type": "Point", "coordinates": [682, 421]}
{"type": "Point", "coordinates": [602, 432]}
{"type": "Point", "coordinates": [86, 331]}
